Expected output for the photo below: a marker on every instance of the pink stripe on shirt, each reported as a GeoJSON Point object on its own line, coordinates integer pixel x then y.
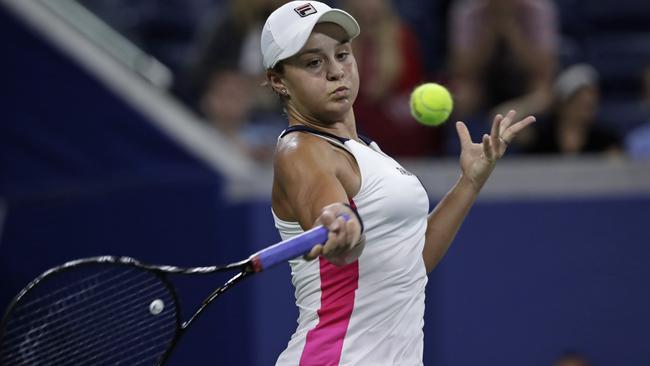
{"type": "Point", "coordinates": [325, 341]}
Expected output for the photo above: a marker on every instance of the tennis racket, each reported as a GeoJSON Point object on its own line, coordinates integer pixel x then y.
{"type": "Point", "coordinates": [116, 310]}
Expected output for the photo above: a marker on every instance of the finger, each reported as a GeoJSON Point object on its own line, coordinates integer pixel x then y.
{"type": "Point", "coordinates": [511, 132]}
{"type": "Point", "coordinates": [487, 148]}
{"type": "Point", "coordinates": [495, 133]}
{"type": "Point", "coordinates": [336, 225]}
{"type": "Point", "coordinates": [329, 244]}
{"type": "Point", "coordinates": [508, 118]}
{"type": "Point", "coordinates": [520, 125]}
{"type": "Point", "coordinates": [333, 243]}
{"type": "Point", "coordinates": [463, 135]}
{"type": "Point", "coordinates": [336, 210]}
{"type": "Point", "coordinates": [326, 218]}
{"type": "Point", "coordinates": [354, 229]}
{"type": "Point", "coordinates": [496, 125]}
{"type": "Point", "coordinates": [350, 230]}
{"type": "Point", "coordinates": [314, 252]}
{"type": "Point", "coordinates": [342, 241]}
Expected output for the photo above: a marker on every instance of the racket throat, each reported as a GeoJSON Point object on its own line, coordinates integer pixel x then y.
{"type": "Point", "coordinates": [239, 277]}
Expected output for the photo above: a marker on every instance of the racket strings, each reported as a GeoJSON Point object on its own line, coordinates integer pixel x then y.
{"type": "Point", "coordinates": [72, 318]}
{"type": "Point", "coordinates": [83, 288]}
{"type": "Point", "coordinates": [110, 356]}
{"type": "Point", "coordinates": [79, 358]}
{"type": "Point", "coordinates": [127, 350]}
{"type": "Point", "coordinates": [28, 319]}
{"type": "Point", "coordinates": [82, 330]}
{"type": "Point", "coordinates": [94, 323]}
{"type": "Point", "coordinates": [104, 338]}
{"type": "Point", "coordinates": [54, 293]}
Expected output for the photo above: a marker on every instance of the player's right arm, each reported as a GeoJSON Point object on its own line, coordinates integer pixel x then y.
{"type": "Point", "coordinates": [312, 183]}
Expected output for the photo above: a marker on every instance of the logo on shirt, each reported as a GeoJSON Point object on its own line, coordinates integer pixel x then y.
{"type": "Point", "coordinates": [403, 171]}
{"type": "Point", "coordinates": [305, 10]}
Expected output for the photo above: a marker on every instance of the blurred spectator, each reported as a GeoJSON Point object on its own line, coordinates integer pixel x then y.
{"type": "Point", "coordinates": [224, 74]}
{"type": "Point", "coordinates": [230, 40]}
{"type": "Point", "coordinates": [637, 142]}
{"type": "Point", "coordinates": [227, 105]}
{"type": "Point", "coordinates": [390, 64]}
{"type": "Point", "coordinates": [571, 126]}
{"type": "Point", "coordinates": [503, 55]}
{"type": "Point", "coordinates": [571, 358]}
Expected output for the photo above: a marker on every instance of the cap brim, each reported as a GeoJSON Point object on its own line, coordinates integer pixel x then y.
{"type": "Point", "coordinates": [336, 16]}
{"type": "Point", "coordinates": [342, 18]}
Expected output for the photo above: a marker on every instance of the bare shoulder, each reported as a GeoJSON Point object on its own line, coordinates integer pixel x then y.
{"type": "Point", "coordinates": [303, 153]}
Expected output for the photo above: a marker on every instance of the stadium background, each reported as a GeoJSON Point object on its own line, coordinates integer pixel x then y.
{"type": "Point", "coordinates": [95, 161]}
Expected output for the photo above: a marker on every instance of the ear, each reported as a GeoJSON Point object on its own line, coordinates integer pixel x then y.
{"type": "Point", "coordinates": [277, 83]}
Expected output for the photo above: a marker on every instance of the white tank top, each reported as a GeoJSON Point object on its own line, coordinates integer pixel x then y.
{"type": "Point", "coordinates": [370, 312]}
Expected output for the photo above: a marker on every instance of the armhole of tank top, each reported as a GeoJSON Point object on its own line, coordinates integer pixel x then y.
{"type": "Point", "coordinates": [286, 225]}
{"type": "Point", "coordinates": [340, 145]}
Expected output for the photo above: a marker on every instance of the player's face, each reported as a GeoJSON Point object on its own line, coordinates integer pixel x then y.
{"type": "Point", "coordinates": [322, 78]}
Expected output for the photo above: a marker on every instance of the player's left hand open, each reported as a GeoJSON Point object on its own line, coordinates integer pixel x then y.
{"type": "Point", "coordinates": [477, 160]}
{"type": "Point", "coordinates": [344, 241]}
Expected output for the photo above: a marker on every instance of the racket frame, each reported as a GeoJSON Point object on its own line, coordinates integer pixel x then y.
{"type": "Point", "coordinates": [160, 271]}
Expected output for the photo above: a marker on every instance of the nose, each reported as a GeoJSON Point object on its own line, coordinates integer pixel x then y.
{"type": "Point", "coordinates": [335, 70]}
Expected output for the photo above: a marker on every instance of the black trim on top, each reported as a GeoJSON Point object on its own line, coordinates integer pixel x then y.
{"type": "Point", "coordinates": [365, 139]}
{"type": "Point", "coordinates": [353, 207]}
{"type": "Point", "coordinates": [301, 128]}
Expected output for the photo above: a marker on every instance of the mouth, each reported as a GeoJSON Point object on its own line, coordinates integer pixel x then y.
{"type": "Point", "coordinates": [341, 91]}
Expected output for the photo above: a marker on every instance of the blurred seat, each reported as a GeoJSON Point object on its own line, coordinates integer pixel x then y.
{"type": "Point", "coordinates": [620, 59]}
{"type": "Point", "coordinates": [618, 15]}
{"type": "Point", "coordinates": [572, 17]}
{"type": "Point", "coordinates": [622, 114]}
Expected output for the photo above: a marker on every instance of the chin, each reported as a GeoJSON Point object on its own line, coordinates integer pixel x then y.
{"type": "Point", "coordinates": [338, 111]}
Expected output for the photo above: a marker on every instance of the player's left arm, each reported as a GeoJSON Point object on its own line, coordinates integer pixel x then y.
{"type": "Point", "coordinates": [477, 161]}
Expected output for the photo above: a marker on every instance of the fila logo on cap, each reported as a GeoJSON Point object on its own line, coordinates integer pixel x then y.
{"type": "Point", "coordinates": [305, 10]}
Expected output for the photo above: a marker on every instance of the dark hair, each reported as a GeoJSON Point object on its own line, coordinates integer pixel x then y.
{"type": "Point", "coordinates": [279, 67]}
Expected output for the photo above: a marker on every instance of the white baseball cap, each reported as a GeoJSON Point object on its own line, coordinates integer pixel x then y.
{"type": "Point", "coordinates": [287, 29]}
{"type": "Point", "coordinates": [573, 79]}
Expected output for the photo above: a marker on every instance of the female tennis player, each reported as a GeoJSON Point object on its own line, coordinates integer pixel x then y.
{"type": "Point", "coordinates": [361, 301]}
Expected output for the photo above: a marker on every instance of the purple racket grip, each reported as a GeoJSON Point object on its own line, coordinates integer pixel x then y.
{"type": "Point", "coordinates": [290, 248]}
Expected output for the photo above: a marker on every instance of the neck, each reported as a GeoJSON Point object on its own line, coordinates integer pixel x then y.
{"type": "Point", "coordinates": [343, 127]}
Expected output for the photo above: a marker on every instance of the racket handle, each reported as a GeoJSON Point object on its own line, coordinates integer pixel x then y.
{"type": "Point", "coordinates": [290, 248]}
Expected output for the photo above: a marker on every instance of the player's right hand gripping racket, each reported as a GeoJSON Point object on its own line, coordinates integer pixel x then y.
{"type": "Point", "coordinates": [115, 310]}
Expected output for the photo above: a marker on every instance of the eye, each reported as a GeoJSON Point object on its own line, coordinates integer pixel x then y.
{"type": "Point", "coordinates": [314, 63]}
{"type": "Point", "coordinates": [342, 55]}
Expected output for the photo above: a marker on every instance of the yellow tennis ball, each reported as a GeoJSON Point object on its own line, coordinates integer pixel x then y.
{"type": "Point", "coordinates": [431, 104]}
